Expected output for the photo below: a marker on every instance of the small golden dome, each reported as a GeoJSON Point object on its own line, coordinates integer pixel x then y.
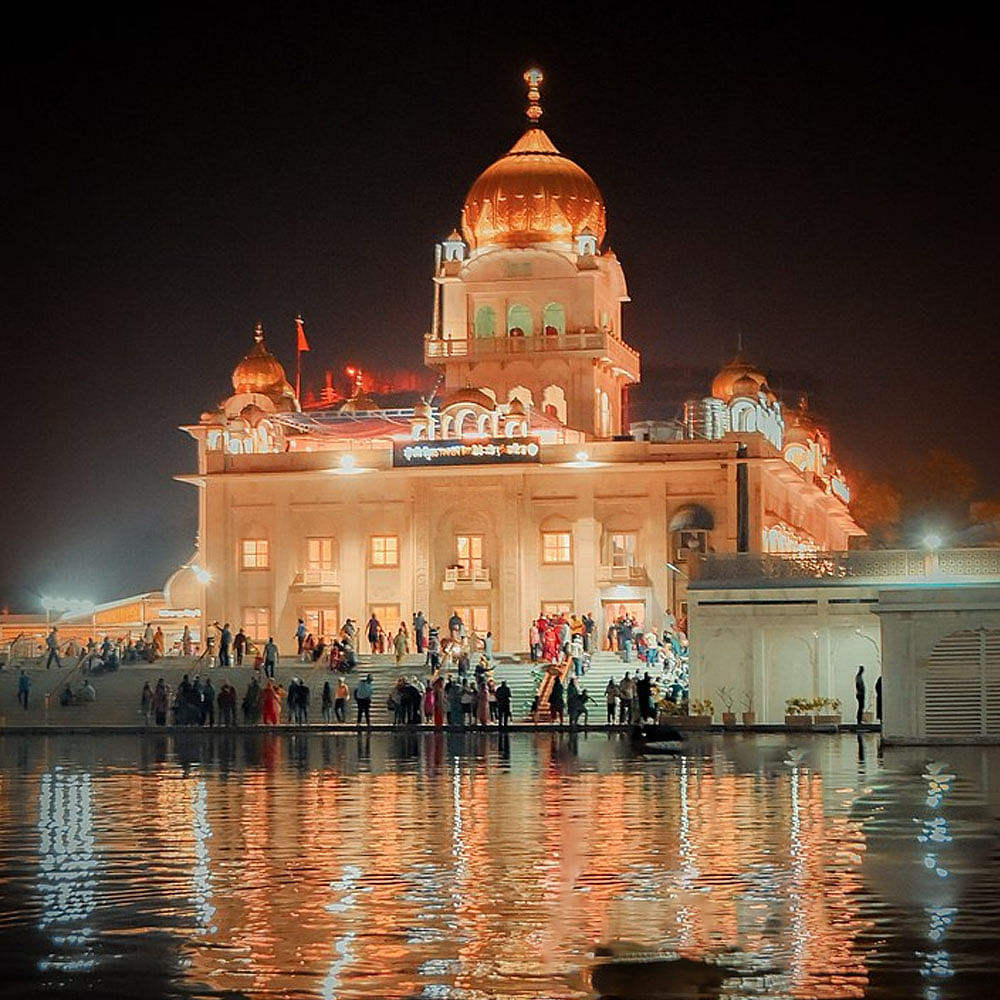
{"type": "Point", "coordinates": [515, 408]}
{"type": "Point", "coordinates": [469, 395]}
{"type": "Point", "coordinates": [533, 194]}
{"type": "Point", "coordinates": [751, 381]}
{"type": "Point", "coordinates": [260, 371]}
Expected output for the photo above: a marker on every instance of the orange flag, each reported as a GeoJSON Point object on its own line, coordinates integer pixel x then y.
{"type": "Point", "coordinates": [303, 343]}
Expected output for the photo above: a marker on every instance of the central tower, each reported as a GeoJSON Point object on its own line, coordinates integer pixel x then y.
{"type": "Point", "coordinates": [527, 303]}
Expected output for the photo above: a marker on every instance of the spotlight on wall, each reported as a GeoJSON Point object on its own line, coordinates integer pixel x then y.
{"type": "Point", "coordinates": [582, 456]}
{"type": "Point", "coordinates": [932, 542]}
{"type": "Point", "coordinates": [347, 461]}
{"type": "Point", "coordinates": [200, 574]}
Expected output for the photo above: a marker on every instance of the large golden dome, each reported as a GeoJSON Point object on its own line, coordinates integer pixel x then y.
{"type": "Point", "coordinates": [260, 371]}
{"type": "Point", "coordinates": [739, 378]}
{"type": "Point", "coordinates": [533, 194]}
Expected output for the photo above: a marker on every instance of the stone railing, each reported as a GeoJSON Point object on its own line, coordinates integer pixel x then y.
{"type": "Point", "coordinates": [878, 566]}
{"type": "Point", "coordinates": [317, 578]}
{"type": "Point", "coordinates": [598, 342]}
{"type": "Point", "coordinates": [477, 577]}
{"type": "Point", "coordinates": [622, 574]}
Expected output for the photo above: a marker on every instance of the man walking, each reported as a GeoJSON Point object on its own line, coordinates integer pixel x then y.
{"type": "Point", "coordinates": [52, 644]}
{"type": "Point", "coordinates": [503, 705]}
{"type": "Point", "coordinates": [300, 636]}
{"type": "Point", "coordinates": [225, 645]}
{"type": "Point", "coordinates": [270, 656]}
{"type": "Point", "coordinates": [363, 696]}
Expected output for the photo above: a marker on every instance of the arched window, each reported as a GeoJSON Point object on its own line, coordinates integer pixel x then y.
{"type": "Point", "coordinates": [519, 321]}
{"type": "Point", "coordinates": [486, 322]}
{"type": "Point", "coordinates": [554, 402]}
{"type": "Point", "coordinates": [554, 319]}
{"type": "Point", "coordinates": [605, 428]}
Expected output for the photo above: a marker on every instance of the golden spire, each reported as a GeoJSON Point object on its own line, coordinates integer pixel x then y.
{"type": "Point", "coordinates": [258, 333]}
{"type": "Point", "coordinates": [533, 78]}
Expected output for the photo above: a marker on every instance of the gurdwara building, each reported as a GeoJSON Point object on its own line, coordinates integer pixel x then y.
{"type": "Point", "coordinates": [516, 488]}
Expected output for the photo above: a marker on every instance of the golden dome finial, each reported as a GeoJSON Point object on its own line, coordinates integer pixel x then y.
{"type": "Point", "coordinates": [258, 333]}
{"type": "Point", "coordinates": [533, 78]}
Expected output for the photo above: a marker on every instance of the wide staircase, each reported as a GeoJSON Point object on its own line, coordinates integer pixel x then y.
{"type": "Point", "coordinates": [119, 693]}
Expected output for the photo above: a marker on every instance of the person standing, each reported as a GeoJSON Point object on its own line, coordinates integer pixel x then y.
{"type": "Point", "coordinates": [399, 644]}
{"type": "Point", "coordinates": [326, 702]}
{"type": "Point", "coordinates": [363, 696]}
{"type": "Point", "coordinates": [611, 696]}
{"type": "Point", "coordinates": [146, 703]}
{"type": "Point", "coordinates": [300, 637]}
{"type": "Point", "coordinates": [240, 646]}
{"type": "Point", "coordinates": [878, 699]}
{"type": "Point", "coordinates": [187, 646]}
{"type": "Point", "coordinates": [859, 691]}
{"type": "Point", "coordinates": [626, 690]}
{"type": "Point", "coordinates": [225, 646]}
{"type": "Point", "coordinates": [270, 656]}
{"type": "Point", "coordinates": [340, 701]}
{"type": "Point", "coordinates": [557, 701]}
{"type": "Point", "coordinates": [503, 705]}
{"type": "Point", "coordinates": [52, 644]}
{"type": "Point", "coordinates": [23, 688]}
{"type": "Point", "coordinates": [373, 630]}
{"type": "Point", "coordinates": [161, 702]}
{"type": "Point", "coordinates": [419, 625]}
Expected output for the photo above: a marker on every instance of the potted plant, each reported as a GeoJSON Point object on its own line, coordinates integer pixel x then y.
{"type": "Point", "coordinates": [798, 713]}
{"type": "Point", "coordinates": [727, 696]}
{"type": "Point", "coordinates": [749, 715]}
{"type": "Point", "coordinates": [827, 712]}
{"type": "Point", "coordinates": [699, 714]}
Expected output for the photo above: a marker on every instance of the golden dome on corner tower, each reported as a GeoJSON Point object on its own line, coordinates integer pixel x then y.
{"type": "Point", "coordinates": [260, 371]}
{"type": "Point", "coordinates": [533, 194]}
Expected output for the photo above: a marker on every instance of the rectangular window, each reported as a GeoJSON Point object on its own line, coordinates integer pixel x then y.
{"type": "Point", "coordinates": [476, 618]}
{"type": "Point", "coordinates": [255, 553]}
{"type": "Point", "coordinates": [319, 554]}
{"type": "Point", "coordinates": [257, 624]}
{"type": "Point", "coordinates": [384, 551]}
{"type": "Point", "coordinates": [322, 622]}
{"type": "Point", "coordinates": [387, 615]}
{"type": "Point", "coordinates": [551, 609]}
{"type": "Point", "coordinates": [469, 559]}
{"type": "Point", "coordinates": [557, 547]}
{"type": "Point", "coordinates": [623, 544]}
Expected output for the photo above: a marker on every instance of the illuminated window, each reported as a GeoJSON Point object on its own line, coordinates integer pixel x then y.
{"type": "Point", "coordinates": [387, 615]}
{"type": "Point", "coordinates": [623, 548]}
{"type": "Point", "coordinates": [475, 617]}
{"type": "Point", "coordinates": [319, 554]}
{"type": "Point", "coordinates": [257, 623]}
{"type": "Point", "coordinates": [554, 319]}
{"type": "Point", "coordinates": [322, 621]}
{"type": "Point", "coordinates": [486, 322]}
{"type": "Point", "coordinates": [470, 555]}
{"type": "Point", "coordinates": [557, 547]}
{"type": "Point", "coordinates": [552, 609]}
{"type": "Point", "coordinates": [519, 322]}
{"type": "Point", "coordinates": [384, 551]}
{"type": "Point", "coordinates": [255, 553]}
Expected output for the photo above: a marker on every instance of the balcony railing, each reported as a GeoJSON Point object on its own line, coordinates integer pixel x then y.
{"type": "Point", "coordinates": [317, 578]}
{"type": "Point", "coordinates": [476, 577]}
{"type": "Point", "coordinates": [600, 343]}
{"type": "Point", "coordinates": [861, 566]}
{"type": "Point", "coordinates": [622, 574]}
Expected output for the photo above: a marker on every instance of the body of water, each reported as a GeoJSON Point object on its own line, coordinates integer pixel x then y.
{"type": "Point", "coordinates": [471, 866]}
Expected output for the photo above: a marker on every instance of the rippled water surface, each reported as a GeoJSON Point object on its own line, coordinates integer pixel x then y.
{"type": "Point", "coordinates": [465, 866]}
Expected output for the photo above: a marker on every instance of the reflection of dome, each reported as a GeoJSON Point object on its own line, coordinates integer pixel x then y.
{"type": "Point", "coordinates": [358, 404]}
{"type": "Point", "coordinates": [534, 194]}
{"type": "Point", "coordinates": [740, 378]}
{"type": "Point", "coordinates": [260, 371]}
{"type": "Point", "coordinates": [469, 395]}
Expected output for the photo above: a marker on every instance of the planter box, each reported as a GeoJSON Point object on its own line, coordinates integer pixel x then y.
{"type": "Point", "coordinates": [691, 721]}
{"type": "Point", "coordinates": [826, 720]}
{"type": "Point", "coordinates": [799, 721]}
{"type": "Point", "coordinates": [749, 718]}
{"type": "Point", "coordinates": [729, 720]}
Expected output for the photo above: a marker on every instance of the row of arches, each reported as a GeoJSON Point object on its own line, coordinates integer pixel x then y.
{"type": "Point", "coordinates": [521, 321]}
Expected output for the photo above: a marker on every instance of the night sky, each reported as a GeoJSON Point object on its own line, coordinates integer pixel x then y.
{"type": "Point", "coordinates": [827, 188]}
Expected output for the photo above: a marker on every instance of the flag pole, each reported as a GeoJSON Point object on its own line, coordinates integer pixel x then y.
{"type": "Point", "coordinates": [301, 344]}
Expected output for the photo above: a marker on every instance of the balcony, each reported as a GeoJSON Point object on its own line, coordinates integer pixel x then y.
{"type": "Point", "coordinates": [599, 344]}
{"type": "Point", "coordinates": [316, 579]}
{"type": "Point", "coordinates": [473, 578]}
{"type": "Point", "coordinates": [634, 576]}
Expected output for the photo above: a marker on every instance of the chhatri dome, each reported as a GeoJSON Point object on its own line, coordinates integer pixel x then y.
{"type": "Point", "coordinates": [740, 378]}
{"type": "Point", "coordinates": [261, 372]}
{"type": "Point", "coordinates": [533, 194]}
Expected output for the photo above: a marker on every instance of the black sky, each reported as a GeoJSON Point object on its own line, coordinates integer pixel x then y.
{"type": "Point", "coordinates": [824, 183]}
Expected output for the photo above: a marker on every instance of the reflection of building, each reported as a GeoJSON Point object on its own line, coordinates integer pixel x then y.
{"type": "Point", "coordinates": [520, 489]}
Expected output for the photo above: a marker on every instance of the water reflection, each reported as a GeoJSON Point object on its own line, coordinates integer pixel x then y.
{"type": "Point", "coordinates": [462, 865]}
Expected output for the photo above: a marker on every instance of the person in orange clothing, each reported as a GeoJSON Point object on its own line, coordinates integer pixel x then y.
{"type": "Point", "coordinates": [270, 704]}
